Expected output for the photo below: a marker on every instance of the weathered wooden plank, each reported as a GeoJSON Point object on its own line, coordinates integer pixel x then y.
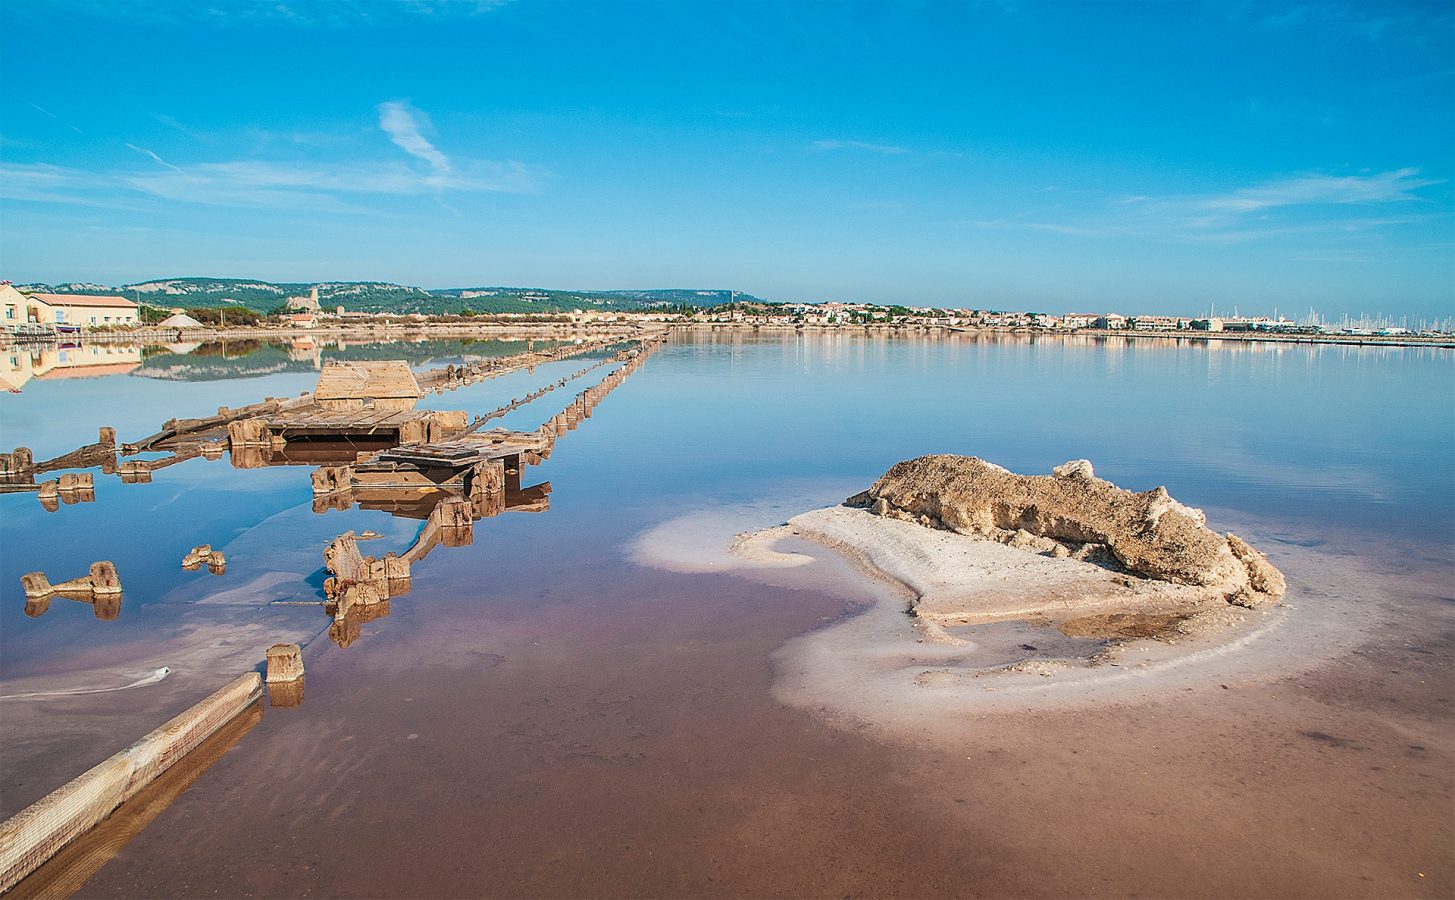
{"type": "Point", "coordinates": [40, 830]}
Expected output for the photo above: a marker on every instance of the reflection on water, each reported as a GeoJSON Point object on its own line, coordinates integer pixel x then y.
{"type": "Point", "coordinates": [1310, 443]}
{"type": "Point", "coordinates": [449, 478]}
{"type": "Point", "coordinates": [452, 476]}
{"type": "Point", "coordinates": [64, 874]}
{"type": "Point", "coordinates": [245, 358]}
{"type": "Point", "coordinates": [223, 359]}
{"type": "Point", "coordinates": [360, 587]}
{"type": "Point", "coordinates": [51, 362]}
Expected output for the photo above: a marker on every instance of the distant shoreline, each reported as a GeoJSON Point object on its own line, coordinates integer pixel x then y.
{"type": "Point", "coordinates": [1102, 333]}
{"type": "Point", "coordinates": [631, 326]}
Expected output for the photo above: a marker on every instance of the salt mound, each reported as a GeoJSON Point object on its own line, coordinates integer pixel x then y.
{"type": "Point", "coordinates": [1072, 513]}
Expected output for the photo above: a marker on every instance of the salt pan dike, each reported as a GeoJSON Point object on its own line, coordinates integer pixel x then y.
{"type": "Point", "coordinates": [974, 590]}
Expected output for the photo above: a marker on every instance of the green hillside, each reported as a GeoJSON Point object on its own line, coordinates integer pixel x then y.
{"type": "Point", "coordinates": [378, 296]}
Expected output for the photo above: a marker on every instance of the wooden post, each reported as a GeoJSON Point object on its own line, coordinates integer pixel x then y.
{"type": "Point", "coordinates": [285, 663]}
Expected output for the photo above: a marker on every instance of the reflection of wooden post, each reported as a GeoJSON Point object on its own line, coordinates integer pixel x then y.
{"type": "Point", "coordinates": [513, 466]}
{"type": "Point", "coordinates": [286, 694]}
{"type": "Point", "coordinates": [43, 828]}
{"type": "Point", "coordinates": [136, 471]}
{"type": "Point", "coordinates": [483, 506]}
{"type": "Point", "coordinates": [455, 522]}
{"type": "Point", "coordinates": [341, 500]}
{"type": "Point", "coordinates": [107, 607]}
{"type": "Point", "coordinates": [19, 462]}
{"type": "Point", "coordinates": [247, 456]}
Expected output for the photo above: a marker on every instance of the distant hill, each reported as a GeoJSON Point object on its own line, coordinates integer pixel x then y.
{"type": "Point", "coordinates": [379, 296]}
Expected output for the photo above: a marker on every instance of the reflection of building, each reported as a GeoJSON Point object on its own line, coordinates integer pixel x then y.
{"type": "Point", "coordinates": [64, 309]}
{"type": "Point", "coordinates": [50, 362]}
{"type": "Point", "coordinates": [306, 349]}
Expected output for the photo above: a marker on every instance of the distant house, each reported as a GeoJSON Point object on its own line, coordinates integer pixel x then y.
{"type": "Point", "coordinates": [1112, 321]}
{"type": "Point", "coordinates": [14, 303]}
{"type": "Point", "coordinates": [1157, 323]}
{"type": "Point", "coordinates": [301, 320]}
{"type": "Point", "coordinates": [1078, 320]}
{"type": "Point", "coordinates": [69, 309]}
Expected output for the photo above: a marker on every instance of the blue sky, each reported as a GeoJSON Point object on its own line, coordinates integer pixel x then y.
{"type": "Point", "coordinates": [1056, 157]}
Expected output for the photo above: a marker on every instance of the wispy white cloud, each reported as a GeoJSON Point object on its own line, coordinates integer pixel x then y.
{"type": "Point", "coordinates": [1307, 204]}
{"type": "Point", "coordinates": [1380, 187]}
{"type": "Point", "coordinates": [145, 152]}
{"type": "Point", "coordinates": [172, 123]}
{"type": "Point", "coordinates": [885, 149]}
{"type": "Point", "coordinates": [254, 183]}
{"type": "Point", "coordinates": [47, 112]}
{"type": "Point", "coordinates": [260, 184]}
{"type": "Point", "coordinates": [403, 125]}
{"type": "Point", "coordinates": [43, 183]}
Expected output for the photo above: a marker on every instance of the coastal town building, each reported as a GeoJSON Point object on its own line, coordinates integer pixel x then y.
{"type": "Point", "coordinates": [1159, 323]}
{"type": "Point", "coordinates": [14, 304]}
{"type": "Point", "coordinates": [64, 309]}
{"type": "Point", "coordinates": [1111, 321]}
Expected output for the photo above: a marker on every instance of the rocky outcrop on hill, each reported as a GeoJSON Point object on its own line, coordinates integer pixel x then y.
{"type": "Point", "coordinates": [1072, 513]}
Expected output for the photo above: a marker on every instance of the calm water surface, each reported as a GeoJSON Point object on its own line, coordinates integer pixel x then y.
{"type": "Point", "coordinates": [540, 715]}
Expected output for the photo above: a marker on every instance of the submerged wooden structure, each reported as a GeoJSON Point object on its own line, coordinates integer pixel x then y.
{"type": "Point", "coordinates": [100, 587]}
{"type": "Point", "coordinates": [376, 450]}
